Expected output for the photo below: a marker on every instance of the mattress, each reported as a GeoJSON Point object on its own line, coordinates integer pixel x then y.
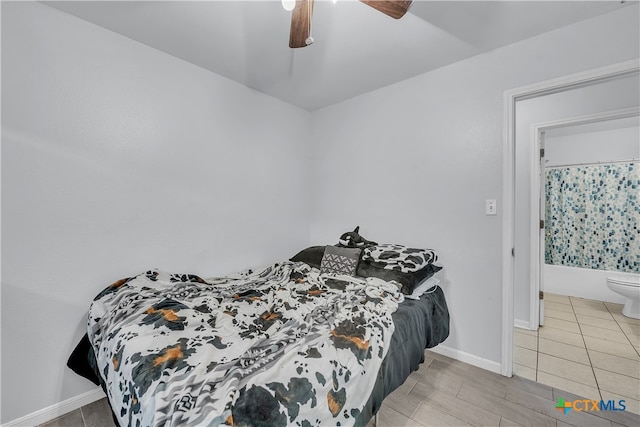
{"type": "Point", "coordinates": [419, 324]}
{"type": "Point", "coordinates": [415, 325]}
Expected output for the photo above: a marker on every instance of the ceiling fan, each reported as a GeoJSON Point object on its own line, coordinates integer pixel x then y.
{"type": "Point", "coordinates": [300, 35]}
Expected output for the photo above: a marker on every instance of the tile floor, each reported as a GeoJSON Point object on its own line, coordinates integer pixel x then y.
{"type": "Point", "coordinates": [585, 347]}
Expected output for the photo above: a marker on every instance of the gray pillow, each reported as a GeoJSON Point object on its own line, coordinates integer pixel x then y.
{"type": "Point", "coordinates": [340, 260]}
{"type": "Point", "coordinates": [312, 256]}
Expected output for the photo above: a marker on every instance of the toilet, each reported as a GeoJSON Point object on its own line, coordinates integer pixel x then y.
{"type": "Point", "coordinates": [628, 287]}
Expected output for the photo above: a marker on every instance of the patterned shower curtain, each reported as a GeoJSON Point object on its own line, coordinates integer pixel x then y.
{"type": "Point", "coordinates": [592, 217]}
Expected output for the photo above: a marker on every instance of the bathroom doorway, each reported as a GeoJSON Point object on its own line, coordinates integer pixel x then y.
{"type": "Point", "coordinates": [544, 104]}
{"type": "Point", "coordinates": [515, 297]}
{"type": "Point", "coordinates": [595, 102]}
{"type": "Point", "coordinates": [573, 259]}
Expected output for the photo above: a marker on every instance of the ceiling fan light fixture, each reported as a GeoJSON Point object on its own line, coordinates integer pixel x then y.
{"type": "Point", "coordinates": [288, 5]}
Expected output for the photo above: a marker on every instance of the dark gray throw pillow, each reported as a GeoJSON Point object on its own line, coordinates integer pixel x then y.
{"type": "Point", "coordinates": [340, 260]}
{"type": "Point", "coordinates": [311, 256]}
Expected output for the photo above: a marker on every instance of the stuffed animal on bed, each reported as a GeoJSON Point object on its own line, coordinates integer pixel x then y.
{"type": "Point", "coordinates": [352, 239]}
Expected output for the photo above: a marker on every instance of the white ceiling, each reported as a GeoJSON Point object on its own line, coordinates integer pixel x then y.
{"type": "Point", "coordinates": [357, 49]}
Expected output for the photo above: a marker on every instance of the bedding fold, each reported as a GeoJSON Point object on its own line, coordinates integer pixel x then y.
{"type": "Point", "coordinates": [273, 346]}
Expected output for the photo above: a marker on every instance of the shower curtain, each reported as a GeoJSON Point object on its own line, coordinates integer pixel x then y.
{"type": "Point", "coordinates": [592, 216]}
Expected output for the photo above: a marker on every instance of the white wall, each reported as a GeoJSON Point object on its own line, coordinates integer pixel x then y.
{"type": "Point", "coordinates": [606, 96]}
{"type": "Point", "coordinates": [413, 163]}
{"type": "Point", "coordinates": [591, 147]}
{"type": "Point", "coordinates": [117, 158]}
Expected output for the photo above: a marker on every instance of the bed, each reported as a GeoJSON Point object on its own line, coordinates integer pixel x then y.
{"type": "Point", "coordinates": [285, 344]}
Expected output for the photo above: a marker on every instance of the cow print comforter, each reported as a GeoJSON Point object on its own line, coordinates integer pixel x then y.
{"type": "Point", "coordinates": [270, 347]}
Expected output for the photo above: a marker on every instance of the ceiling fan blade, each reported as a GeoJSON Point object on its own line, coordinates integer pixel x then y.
{"type": "Point", "coordinates": [394, 8]}
{"type": "Point", "coordinates": [301, 23]}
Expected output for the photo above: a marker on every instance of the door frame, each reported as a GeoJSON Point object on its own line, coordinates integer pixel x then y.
{"type": "Point", "coordinates": [508, 181]}
{"type": "Point", "coordinates": [537, 195]}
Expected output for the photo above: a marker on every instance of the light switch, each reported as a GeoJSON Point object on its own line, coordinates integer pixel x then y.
{"type": "Point", "coordinates": [491, 208]}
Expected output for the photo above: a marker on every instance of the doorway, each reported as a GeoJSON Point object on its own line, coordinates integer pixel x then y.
{"type": "Point", "coordinates": [627, 69]}
{"type": "Point", "coordinates": [564, 150]}
{"type": "Point", "coordinates": [586, 347]}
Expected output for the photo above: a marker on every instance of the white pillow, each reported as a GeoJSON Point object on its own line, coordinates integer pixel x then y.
{"type": "Point", "coordinates": [424, 287]}
{"type": "Point", "coordinates": [400, 258]}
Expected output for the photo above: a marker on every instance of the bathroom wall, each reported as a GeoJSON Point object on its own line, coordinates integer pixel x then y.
{"type": "Point", "coordinates": [612, 140]}
{"type": "Point", "coordinates": [605, 141]}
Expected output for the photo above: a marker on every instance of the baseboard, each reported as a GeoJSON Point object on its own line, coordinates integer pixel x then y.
{"type": "Point", "coordinates": [471, 359]}
{"type": "Point", "coordinates": [56, 410]}
{"type": "Point", "coordinates": [522, 324]}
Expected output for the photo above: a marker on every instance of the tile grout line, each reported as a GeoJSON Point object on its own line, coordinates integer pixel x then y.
{"type": "Point", "coordinates": [562, 342]}
{"type": "Point", "coordinates": [623, 331]}
{"type": "Point", "coordinates": [582, 335]}
{"type": "Point", "coordinates": [592, 317]}
{"type": "Point", "coordinates": [565, 343]}
{"type": "Point", "coordinates": [84, 421]}
{"type": "Point", "coordinates": [621, 356]}
{"type": "Point", "coordinates": [537, 351]}
{"type": "Point", "coordinates": [628, 340]}
{"type": "Point", "coordinates": [413, 386]}
{"type": "Point", "coordinates": [587, 350]}
{"type": "Point", "coordinates": [564, 358]}
{"type": "Point", "coordinates": [625, 334]}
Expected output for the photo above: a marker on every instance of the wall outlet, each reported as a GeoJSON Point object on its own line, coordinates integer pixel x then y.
{"type": "Point", "coordinates": [490, 207]}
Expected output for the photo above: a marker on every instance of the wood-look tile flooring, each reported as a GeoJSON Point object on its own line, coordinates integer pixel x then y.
{"type": "Point", "coordinates": [586, 347]}
{"type": "Point", "coordinates": [445, 392]}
